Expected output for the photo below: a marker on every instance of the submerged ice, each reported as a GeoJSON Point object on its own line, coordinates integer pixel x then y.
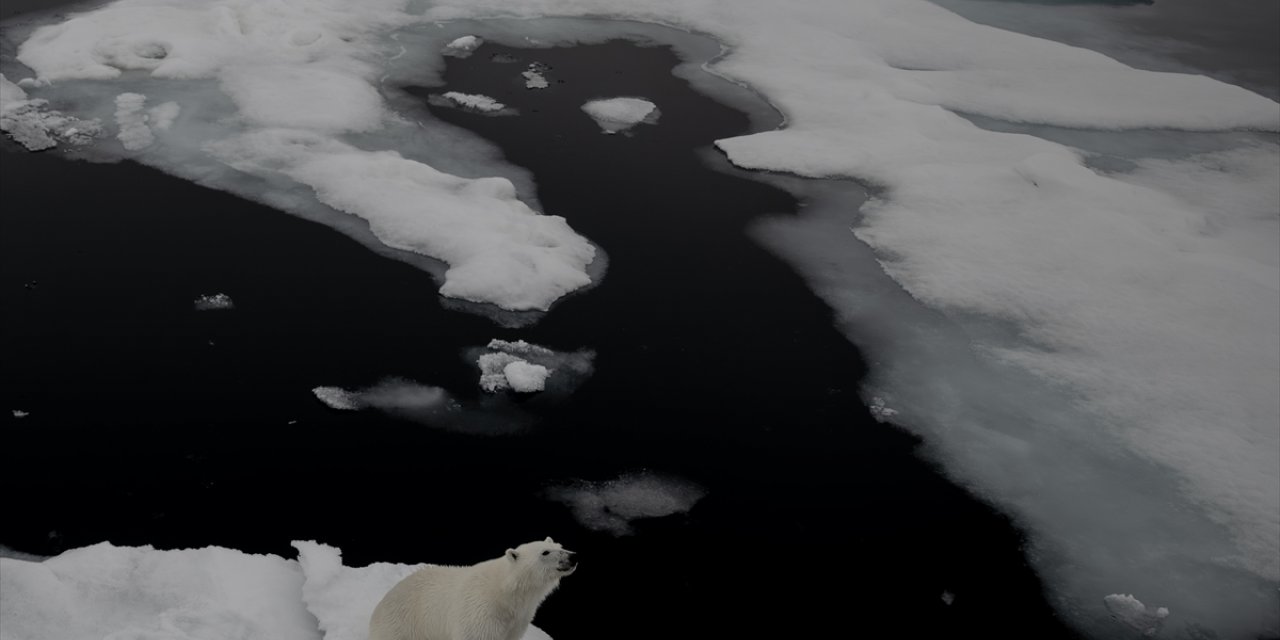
{"type": "Point", "coordinates": [612, 506]}
{"type": "Point", "coordinates": [1094, 351]}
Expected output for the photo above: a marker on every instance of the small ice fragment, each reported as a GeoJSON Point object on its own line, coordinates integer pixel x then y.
{"type": "Point", "coordinates": [948, 598]}
{"type": "Point", "coordinates": [215, 302]}
{"type": "Point", "coordinates": [19, 413]}
{"type": "Point", "coordinates": [493, 375]}
{"type": "Point", "coordinates": [880, 411]}
{"type": "Point", "coordinates": [475, 101]}
{"type": "Point", "coordinates": [463, 47]}
{"type": "Point", "coordinates": [612, 505]}
{"type": "Point", "coordinates": [526, 377]}
{"type": "Point", "coordinates": [1131, 612]}
{"type": "Point", "coordinates": [618, 114]}
{"type": "Point", "coordinates": [533, 77]}
{"type": "Point", "coordinates": [336, 398]}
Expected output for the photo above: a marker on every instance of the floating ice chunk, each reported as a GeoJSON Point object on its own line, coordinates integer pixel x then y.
{"type": "Point", "coordinates": [880, 411]}
{"type": "Point", "coordinates": [475, 101]}
{"type": "Point", "coordinates": [463, 47]}
{"type": "Point", "coordinates": [534, 78]}
{"type": "Point", "coordinates": [619, 114]}
{"type": "Point", "coordinates": [33, 125]}
{"type": "Point", "coordinates": [1130, 611]}
{"type": "Point", "coordinates": [499, 250]}
{"type": "Point", "coordinates": [525, 377]}
{"type": "Point", "coordinates": [493, 371]}
{"type": "Point", "coordinates": [337, 398]}
{"type": "Point", "coordinates": [134, 134]}
{"type": "Point", "coordinates": [214, 302]}
{"type": "Point", "coordinates": [19, 414]}
{"type": "Point", "coordinates": [342, 598]}
{"type": "Point", "coordinates": [139, 593]}
{"type": "Point", "coordinates": [162, 116]}
{"type": "Point", "coordinates": [392, 395]}
{"type": "Point", "coordinates": [525, 367]}
{"type": "Point", "coordinates": [948, 598]}
{"type": "Point", "coordinates": [612, 505]}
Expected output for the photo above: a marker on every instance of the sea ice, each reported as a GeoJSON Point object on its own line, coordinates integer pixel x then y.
{"type": "Point", "coordinates": [526, 368]}
{"type": "Point", "coordinates": [534, 78]}
{"type": "Point", "coordinates": [134, 134]}
{"type": "Point", "coordinates": [614, 504]}
{"type": "Point", "coordinates": [32, 124]}
{"type": "Point", "coordinates": [463, 46]}
{"type": "Point", "coordinates": [1131, 612]}
{"type": "Point", "coordinates": [214, 302]}
{"type": "Point", "coordinates": [474, 101]}
{"type": "Point", "coordinates": [619, 114]}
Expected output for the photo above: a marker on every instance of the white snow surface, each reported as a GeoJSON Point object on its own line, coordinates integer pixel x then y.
{"type": "Point", "coordinates": [104, 592]}
{"type": "Point", "coordinates": [476, 101]}
{"type": "Point", "coordinates": [140, 593]}
{"type": "Point", "coordinates": [619, 114]}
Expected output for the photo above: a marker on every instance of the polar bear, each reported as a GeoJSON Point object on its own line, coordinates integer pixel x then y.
{"type": "Point", "coordinates": [492, 600]}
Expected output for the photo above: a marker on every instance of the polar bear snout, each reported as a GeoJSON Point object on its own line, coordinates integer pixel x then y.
{"type": "Point", "coordinates": [567, 563]}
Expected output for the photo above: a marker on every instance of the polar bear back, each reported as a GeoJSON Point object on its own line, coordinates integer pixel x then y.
{"type": "Point", "coordinates": [451, 603]}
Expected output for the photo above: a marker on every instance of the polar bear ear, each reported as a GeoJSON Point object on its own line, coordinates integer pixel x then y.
{"type": "Point", "coordinates": [550, 540]}
{"type": "Point", "coordinates": [511, 553]}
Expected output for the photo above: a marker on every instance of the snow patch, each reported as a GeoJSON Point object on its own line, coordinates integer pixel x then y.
{"type": "Point", "coordinates": [134, 133]}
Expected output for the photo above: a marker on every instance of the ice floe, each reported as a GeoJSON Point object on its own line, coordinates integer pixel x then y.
{"type": "Point", "coordinates": [619, 114]}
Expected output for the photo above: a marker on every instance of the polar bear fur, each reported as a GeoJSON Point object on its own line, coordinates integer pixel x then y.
{"type": "Point", "coordinates": [492, 600]}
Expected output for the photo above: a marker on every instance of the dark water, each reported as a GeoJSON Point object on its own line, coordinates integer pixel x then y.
{"type": "Point", "coordinates": [152, 423]}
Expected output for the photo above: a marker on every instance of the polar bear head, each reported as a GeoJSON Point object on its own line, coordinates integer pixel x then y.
{"type": "Point", "coordinates": [544, 561]}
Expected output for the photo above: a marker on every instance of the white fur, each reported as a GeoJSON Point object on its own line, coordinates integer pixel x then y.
{"type": "Point", "coordinates": [492, 600]}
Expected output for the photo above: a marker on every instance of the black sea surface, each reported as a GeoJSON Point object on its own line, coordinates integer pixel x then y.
{"type": "Point", "coordinates": [153, 423]}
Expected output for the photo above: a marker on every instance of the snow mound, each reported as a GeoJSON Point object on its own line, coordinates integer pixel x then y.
{"type": "Point", "coordinates": [613, 505]}
{"type": "Point", "coordinates": [140, 593]}
{"type": "Point", "coordinates": [525, 377]}
{"type": "Point", "coordinates": [619, 114]}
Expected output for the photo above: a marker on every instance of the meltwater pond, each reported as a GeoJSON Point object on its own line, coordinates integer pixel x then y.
{"type": "Point", "coordinates": [151, 422]}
